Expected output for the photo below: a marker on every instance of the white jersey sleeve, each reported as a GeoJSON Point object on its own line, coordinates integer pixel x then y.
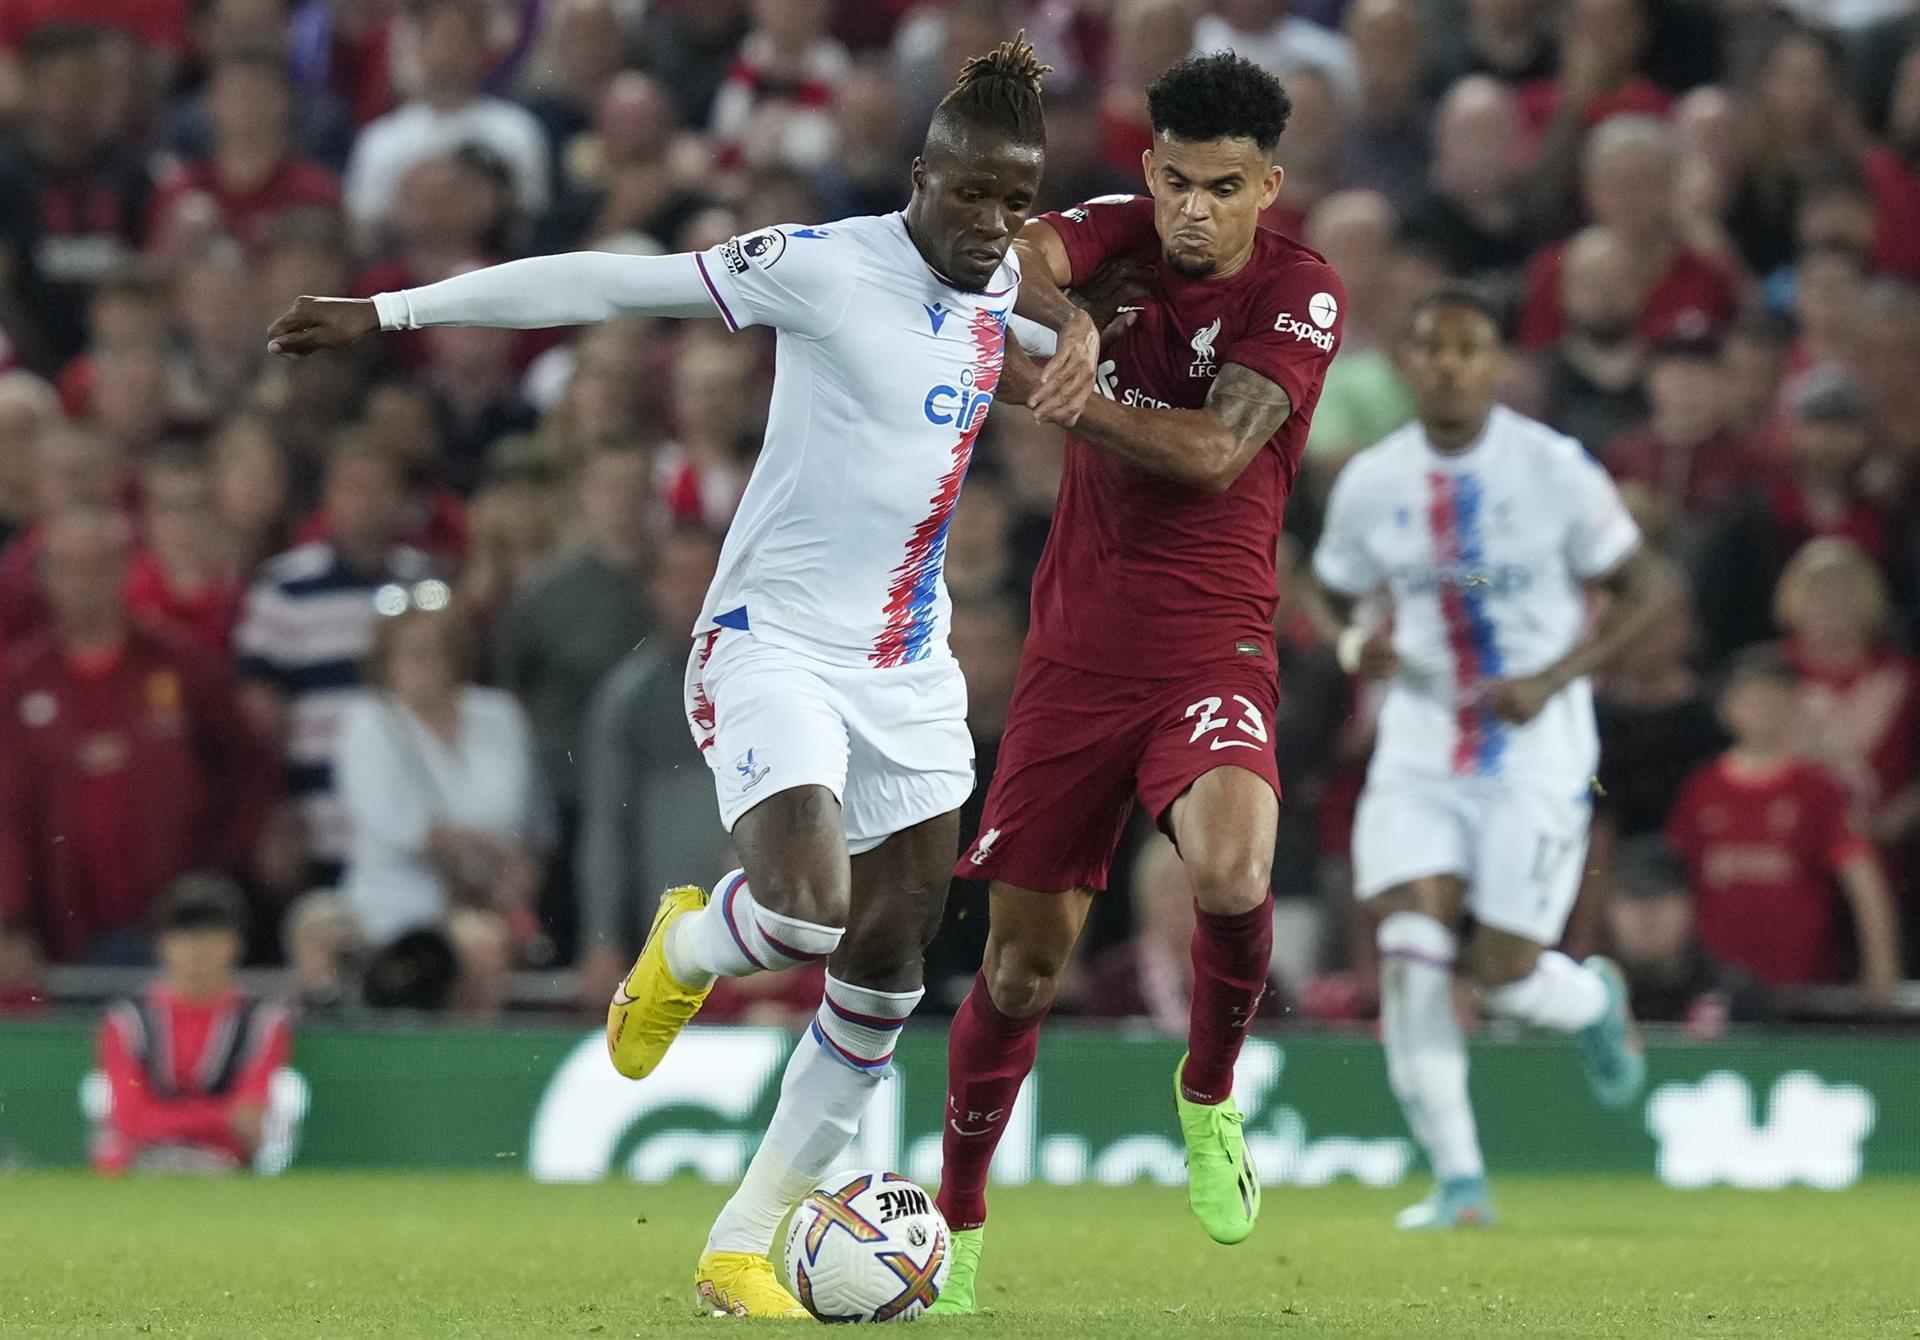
{"type": "Point", "coordinates": [1342, 561]}
{"type": "Point", "coordinates": [1602, 533]}
{"type": "Point", "coordinates": [1035, 338]}
{"type": "Point", "coordinates": [574, 288]}
{"type": "Point", "coordinates": [800, 280]}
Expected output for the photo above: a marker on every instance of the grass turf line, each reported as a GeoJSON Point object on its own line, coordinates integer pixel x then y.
{"type": "Point", "coordinates": [336, 1255]}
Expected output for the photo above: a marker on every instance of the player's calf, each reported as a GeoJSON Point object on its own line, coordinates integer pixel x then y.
{"type": "Point", "coordinates": [1542, 987]}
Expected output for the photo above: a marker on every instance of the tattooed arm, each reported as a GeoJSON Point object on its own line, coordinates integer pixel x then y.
{"type": "Point", "coordinates": [1204, 448]}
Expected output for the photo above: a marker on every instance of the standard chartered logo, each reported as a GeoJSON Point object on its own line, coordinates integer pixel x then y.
{"type": "Point", "coordinates": [697, 1114]}
{"type": "Point", "coordinates": [1811, 1134]}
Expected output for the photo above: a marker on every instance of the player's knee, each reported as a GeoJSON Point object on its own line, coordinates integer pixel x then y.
{"type": "Point", "coordinates": [1443, 900]}
{"type": "Point", "coordinates": [822, 901]}
{"type": "Point", "coordinates": [1023, 980]}
{"type": "Point", "coordinates": [1496, 961]}
{"type": "Point", "coordinates": [1228, 877]}
{"type": "Point", "coordinates": [886, 940]}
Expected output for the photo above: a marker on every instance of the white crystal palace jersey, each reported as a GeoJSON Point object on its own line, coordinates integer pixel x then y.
{"type": "Point", "coordinates": [883, 376]}
{"type": "Point", "coordinates": [1485, 554]}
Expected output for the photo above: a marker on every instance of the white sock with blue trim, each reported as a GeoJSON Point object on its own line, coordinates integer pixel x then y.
{"type": "Point", "coordinates": [1426, 1053]}
{"type": "Point", "coordinates": [733, 936]}
{"type": "Point", "coordinates": [831, 1077]}
{"type": "Point", "coordinates": [1558, 994]}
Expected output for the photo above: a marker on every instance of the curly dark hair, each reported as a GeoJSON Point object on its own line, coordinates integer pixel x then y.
{"type": "Point", "coordinates": [1219, 96]}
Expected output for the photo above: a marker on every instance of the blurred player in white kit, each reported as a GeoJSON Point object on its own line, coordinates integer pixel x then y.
{"type": "Point", "coordinates": [1483, 533]}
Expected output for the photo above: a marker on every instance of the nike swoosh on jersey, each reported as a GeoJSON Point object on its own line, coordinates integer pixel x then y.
{"type": "Point", "coordinates": [1232, 744]}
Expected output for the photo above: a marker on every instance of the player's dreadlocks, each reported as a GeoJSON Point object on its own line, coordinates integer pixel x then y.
{"type": "Point", "coordinates": [1000, 92]}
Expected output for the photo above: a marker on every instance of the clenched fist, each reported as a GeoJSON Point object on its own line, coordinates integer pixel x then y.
{"type": "Point", "coordinates": [321, 323]}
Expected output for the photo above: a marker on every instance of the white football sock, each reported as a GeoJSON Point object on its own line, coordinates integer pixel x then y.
{"type": "Point", "coordinates": [830, 1078]}
{"type": "Point", "coordinates": [1558, 994]}
{"type": "Point", "coordinates": [733, 936]}
{"type": "Point", "coordinates": [1426, 1054]}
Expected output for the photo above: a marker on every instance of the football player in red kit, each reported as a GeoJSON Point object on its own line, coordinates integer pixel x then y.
{"type": "Point", "coordinates": [1149, 671]}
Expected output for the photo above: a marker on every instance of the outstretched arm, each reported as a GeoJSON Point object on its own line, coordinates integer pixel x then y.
{"type": "Point", "coordinates": [571, 289]}
{"type": "Point", "coordinates": [1204, 448]}
{"type": "Point", "coordinates": [1876, 927]}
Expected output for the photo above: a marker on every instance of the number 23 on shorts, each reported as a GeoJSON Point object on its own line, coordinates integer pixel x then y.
{"type": "Point", "coordinates": [1206, 718]}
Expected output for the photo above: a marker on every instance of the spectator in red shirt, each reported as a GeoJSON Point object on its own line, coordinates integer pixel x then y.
{"type": "Point", "coordinates": [1824, 493]}
{"type": "Point", "coordinates": [1685, 457]}
{"type": "Point", "coordinates": [702, 473]}
{"type": "Point", "coordinates": [253, 173]}
{"type": "Point", "coordinates": [1859, 698]}
{"type": "Point", "coordinates": [1628, 181]}
{"type": "Point", "coordinates": [1827, 287]}
{"type": "Point", "coordinates": [190, 1065]}
{"type": "Point", "coordinates": [1753, 364]}
{"type": "Point", "coordinates": [442, 222]}
{"type": "Point", "coordinates": [128, 307]}
{"type": "Point", "coordinates": [1817, 492]}
{"type": "Point", "coordinates": [1893, 171]}
{"type": "Point", "coordinates": [1765, 835]}
{"type": "Point", "coordinates": [73, 467]}
{"type": "Point", "coordinates": [1603, 44]}
{"type": "Point", "coordinates": [129, 400]}
{"type": "Point", "coordinates": [127, 759]}
{"type": "Point", "coordinates": [161, 24]}
{"type": "Point", "coordinates": [185, 577]}
{"type": "Point", "coordinates": [400, 424]}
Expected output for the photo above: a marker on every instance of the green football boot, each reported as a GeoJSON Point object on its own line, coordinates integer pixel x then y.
{"type": "Point", "coordinates": [1222, 1187]}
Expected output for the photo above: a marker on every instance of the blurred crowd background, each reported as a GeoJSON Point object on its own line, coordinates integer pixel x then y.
{"type": "Point", "coordinates": [390, 646]}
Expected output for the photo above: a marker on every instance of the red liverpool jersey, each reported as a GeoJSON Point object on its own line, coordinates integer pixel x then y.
{"type": "Point", "coordinates": [1763, 852]}
{"type": "Point", "coordinates": [1142, 576]}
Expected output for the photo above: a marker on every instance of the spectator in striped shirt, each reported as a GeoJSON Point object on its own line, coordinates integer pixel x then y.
{"type": "Point", "coordinates": [309, 620]}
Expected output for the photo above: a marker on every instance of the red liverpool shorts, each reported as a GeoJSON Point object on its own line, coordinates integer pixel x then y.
{"type": "Point", "coordinates": [1081, 746]}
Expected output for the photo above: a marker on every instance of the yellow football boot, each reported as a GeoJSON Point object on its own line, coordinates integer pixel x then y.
{"type": "Point", "coordinates": [742, 1284]}
{"type": "Point", "coordinates": [651, 1007]}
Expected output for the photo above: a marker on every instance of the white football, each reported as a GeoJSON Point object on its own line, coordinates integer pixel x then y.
{"type": "Point", "coordinates": [867, 1246]}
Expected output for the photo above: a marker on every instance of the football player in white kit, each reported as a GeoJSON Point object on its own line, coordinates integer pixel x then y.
{"type": "Point", "coordinates": [1482, 533]}
{"type": "Point", "coordinates": [820, 687]}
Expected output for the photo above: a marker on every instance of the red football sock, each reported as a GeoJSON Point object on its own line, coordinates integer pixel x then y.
{"type": "Point", "coordinates": [988, 1055]}
{"type": "Point", "coordinates": [1231, 955]}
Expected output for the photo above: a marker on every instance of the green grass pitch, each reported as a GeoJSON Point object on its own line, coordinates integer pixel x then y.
{"type": "Point", "coordinates": [319, 1255]}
